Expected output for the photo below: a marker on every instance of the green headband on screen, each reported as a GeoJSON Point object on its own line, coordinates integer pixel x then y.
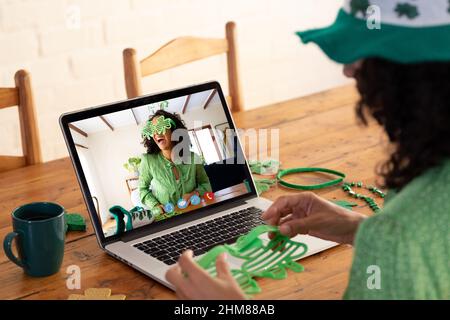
{"type": "Point", "coordinates": [162, 124]}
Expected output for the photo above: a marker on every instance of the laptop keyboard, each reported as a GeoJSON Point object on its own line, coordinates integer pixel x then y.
{"type": "Point", "coordinates": [202, 237]}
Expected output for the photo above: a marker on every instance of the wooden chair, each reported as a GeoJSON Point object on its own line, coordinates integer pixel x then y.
{"type": "Point", "coordinates": [22, 97]}
{"type": "Point", "coordinates": [184, 50]}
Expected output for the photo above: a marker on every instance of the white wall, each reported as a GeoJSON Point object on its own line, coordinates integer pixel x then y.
{"type": "Point", "coordinates": [212, 115]}
{"type": "Point", "coordinates": [93, 180]}
{"type": "Point", "coordinates": [74, 68]}
{"type": "Point", "coordinates": [110, 150]}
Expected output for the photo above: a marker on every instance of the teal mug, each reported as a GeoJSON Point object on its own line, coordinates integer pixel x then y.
{"type": "Point", "coordinates": [40, 230]}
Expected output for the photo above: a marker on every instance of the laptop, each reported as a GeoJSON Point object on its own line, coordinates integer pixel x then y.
{"type": "Point", "coordinates": [146, 204]}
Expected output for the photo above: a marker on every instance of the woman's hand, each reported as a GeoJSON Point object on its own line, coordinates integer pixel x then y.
{"type": "Point", "coordinates": [307, 213]}
{"type": "Point", "coordinates": [193, 282]}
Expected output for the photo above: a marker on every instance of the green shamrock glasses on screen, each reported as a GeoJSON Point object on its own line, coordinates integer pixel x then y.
{"type": "Point", "coordinates": [160, 127]}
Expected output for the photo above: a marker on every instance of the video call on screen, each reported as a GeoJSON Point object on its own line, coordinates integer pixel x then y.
{"type": "Point", "coordinates": [154, 162]}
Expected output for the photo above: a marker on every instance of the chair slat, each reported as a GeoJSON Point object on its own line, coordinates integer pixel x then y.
{"type": "Point", "coordinates": [22, 97]}
{"type": "Point", "coordinates": [28, 120]}
{"type": "Point", "coordinates": [180, 51]}
{"type": "Point", "coordinates": [184, 50]}
{"type": "Point", "coordinates": [9, 97]}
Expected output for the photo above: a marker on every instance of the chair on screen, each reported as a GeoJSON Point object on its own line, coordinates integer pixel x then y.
{"type": "Point", "coordinates": [22, 97]}
{"type": "Point", "coordinates": [184, 50]}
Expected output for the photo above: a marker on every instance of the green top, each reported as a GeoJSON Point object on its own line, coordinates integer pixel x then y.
{"type": "Point", "coordinates": [156, 173]}
{"type": "Point", "coordinates": [408, 241]}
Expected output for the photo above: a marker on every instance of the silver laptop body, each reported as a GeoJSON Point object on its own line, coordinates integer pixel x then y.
{"type": "Point", "coordinates": [205, 104]}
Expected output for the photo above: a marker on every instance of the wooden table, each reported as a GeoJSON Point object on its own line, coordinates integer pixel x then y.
{"type": "Point", "coordinates": [318, 130]}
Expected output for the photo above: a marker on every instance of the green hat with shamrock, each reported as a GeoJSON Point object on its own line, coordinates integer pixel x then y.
{"type": "Point", "coordinates": [402, 31]}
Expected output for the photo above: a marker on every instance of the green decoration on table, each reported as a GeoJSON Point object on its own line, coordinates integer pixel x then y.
{"type": "Point", "coordinates": [162, 124]}
{"type": "Point", "coordinates": [264, 167]}
{"type": "Point", "coordinates": [259, 260]}
{"type": "Point", "coordinates": [263, 185]}
{"type": "Point", "coordinates": [75, 222]}
{"type": "Point", "coordinates": [282, 173]}
{"type": "Point", "coordinates": [345, 204]}
{"type": "Point", "coordinates": [408, 10]}
{"type": "Point", "coordinates": [347, 187]}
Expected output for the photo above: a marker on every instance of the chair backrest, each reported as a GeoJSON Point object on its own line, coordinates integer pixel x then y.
{"type": "Point", "coordinates": [184, 50]}
{"type": "Point", "coordinates": [22, 97]}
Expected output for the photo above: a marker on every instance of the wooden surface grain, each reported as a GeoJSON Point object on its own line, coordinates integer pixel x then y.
{"type": "Point", "coordinates": [318, 130]}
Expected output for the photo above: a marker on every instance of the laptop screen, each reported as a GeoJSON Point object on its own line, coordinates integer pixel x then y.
{"type": "Point", "coordinates": [150, 163]}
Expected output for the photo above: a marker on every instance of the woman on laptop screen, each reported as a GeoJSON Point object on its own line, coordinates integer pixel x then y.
{"type": "Point", "coordinates": [169, 181]}
{"type": "Point", "coordinates": [170, 178]}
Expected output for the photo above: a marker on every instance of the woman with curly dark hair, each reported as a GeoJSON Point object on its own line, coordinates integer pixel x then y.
{"type": "Point", "coordinates": [402, 72]}
{"type": "Point", "coordinates": [166, 176]}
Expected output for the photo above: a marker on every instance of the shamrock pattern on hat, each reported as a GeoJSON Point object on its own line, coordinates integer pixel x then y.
{"type": "Point", "coordinates": [408, 10]}
{"type": "Point", "coordinates": [359, 6]}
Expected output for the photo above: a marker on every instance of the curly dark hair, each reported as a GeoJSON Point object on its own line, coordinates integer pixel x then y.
{"type": "Point", "coordinates": [412, 103]}
{"type": "Point", "coordinates": [151, 145]}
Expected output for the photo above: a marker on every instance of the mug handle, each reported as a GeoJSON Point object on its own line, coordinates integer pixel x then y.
{"type": "Point", "coordinates": [7, 242]}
